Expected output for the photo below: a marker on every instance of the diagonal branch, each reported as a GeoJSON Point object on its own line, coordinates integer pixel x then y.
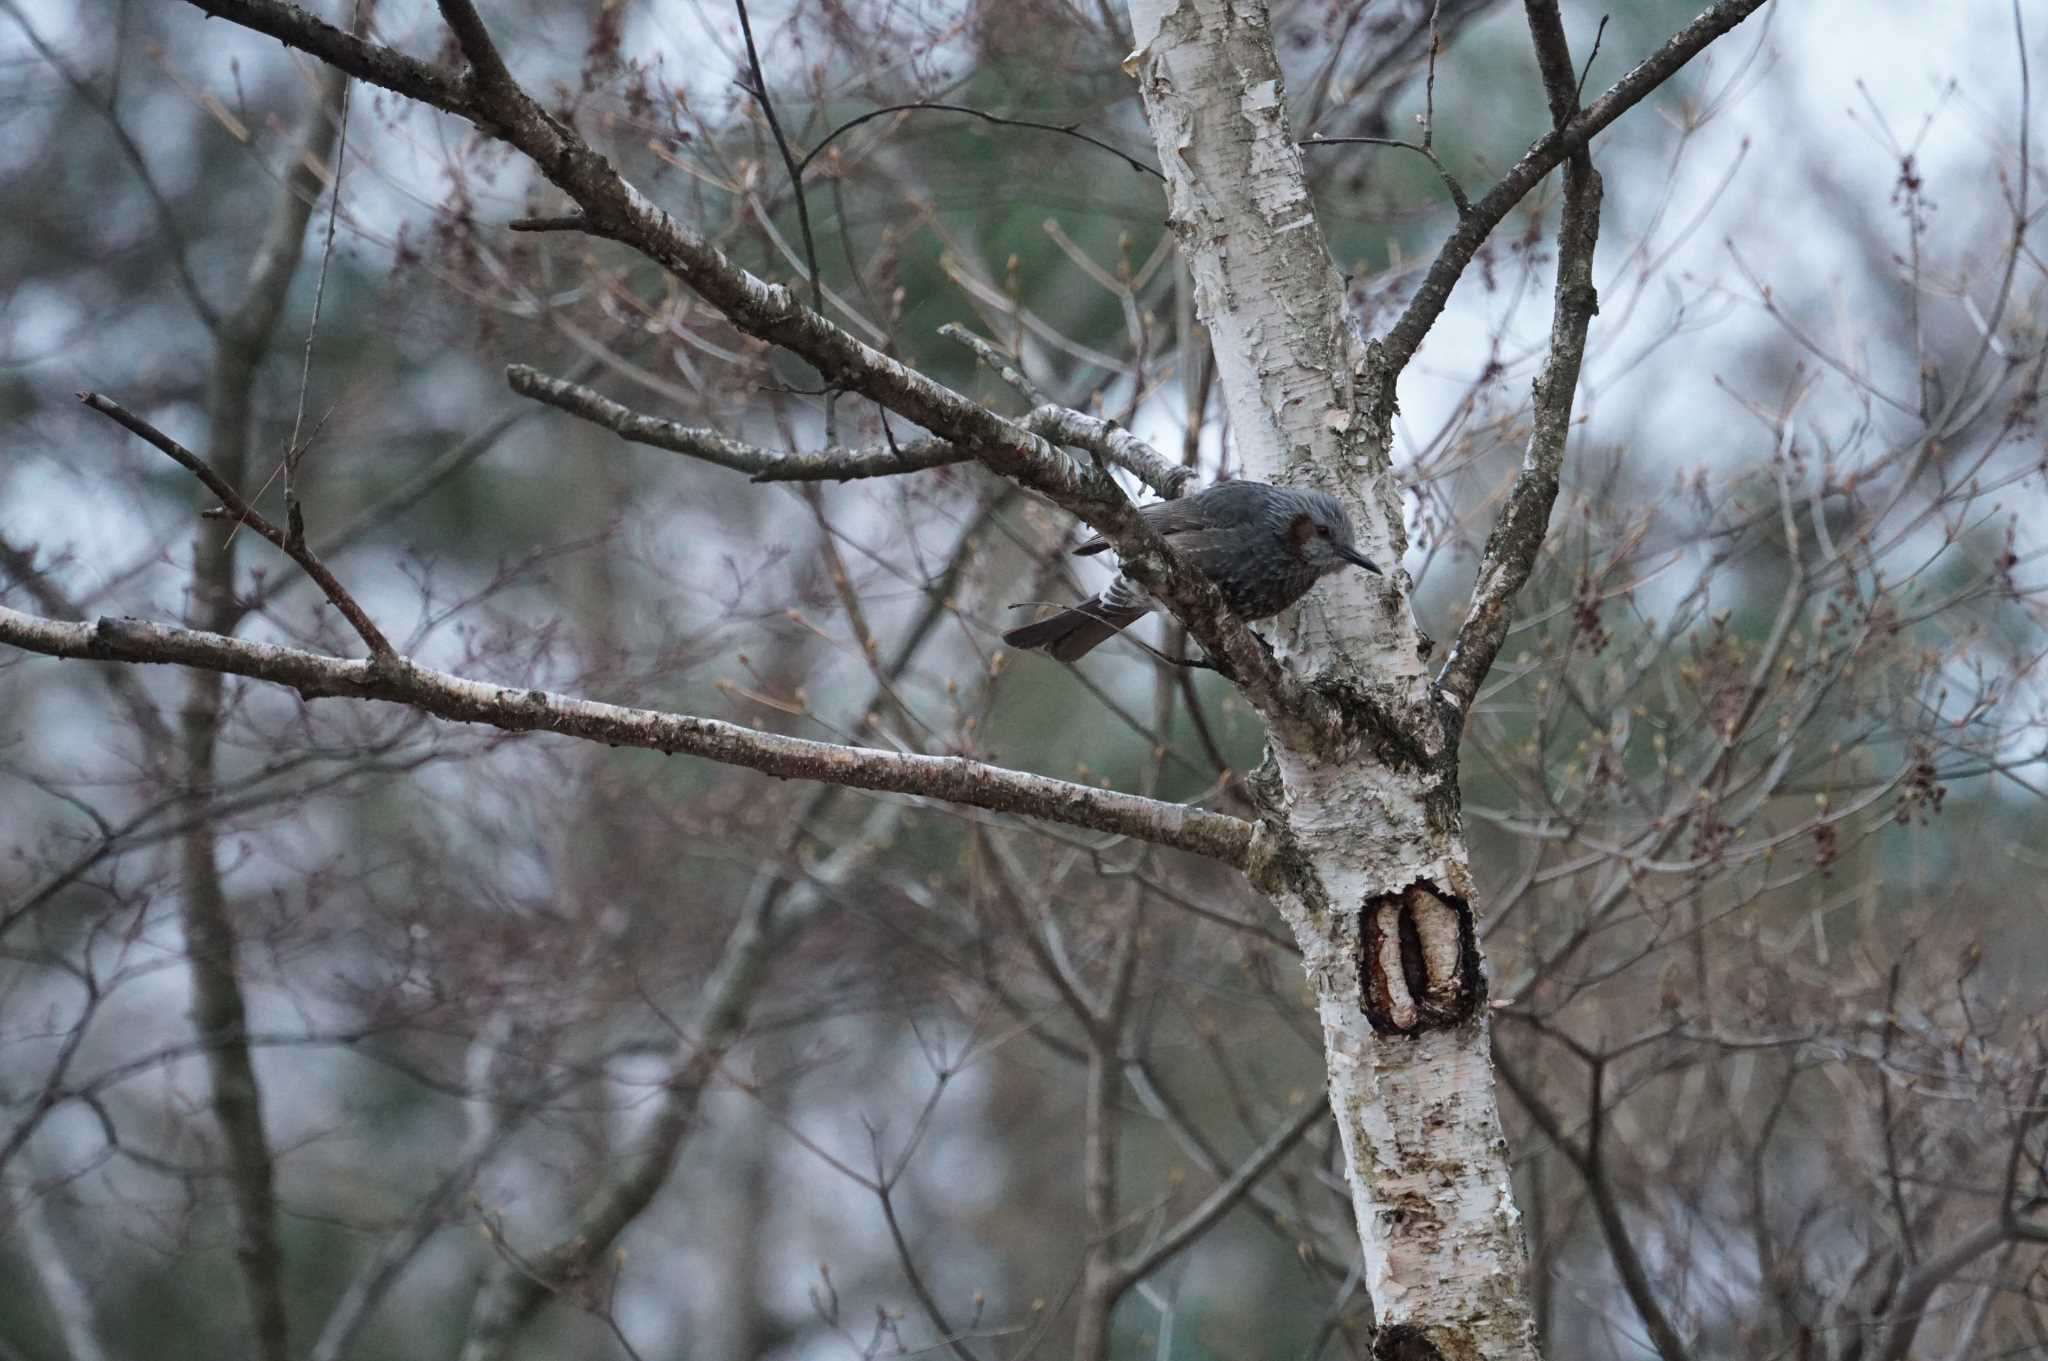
{"type": "Point", "coordinates": [1551, 151]}
{"type": "Point", "coordinates": [1518, 535]}
{"type": "Point", "coordinates": [242, 513]}
{"type": "Point", "coordinates": [1621, 1246]}
{"type": "Point", "coordinates": [105, 106]}
{"type": "Point", "coordinates": [1050, 421]}
{"type": "Point", "coordinates": [1063, 425]}
{"type": "Point", "coordinates": [1220, 1201]}
{"type": "Point", "coordinates": [952, 779]}
{"type": "Point", "coordinates": [1909, 1305]}
{"type": "Point", "coordinates": [614, 209]}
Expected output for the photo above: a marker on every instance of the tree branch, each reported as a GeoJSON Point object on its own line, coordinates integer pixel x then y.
{"type": "Point", "coordinates": [1518, 535]}
{"type": "Point", "coordinates": [1909, 1306]}
{"type": "Point", "coordinates": [219, 1012]}
{"type": "Point", "coordinates": [242, 513]}
{"type": "Point", "coordinates": [1405, 337]}
{"type": "Point", "coordinates": [922, 106]}
{"type": "Point", "coordinates": [166, 220]}
{"type": "Point", "coordinates": [1063, 425]}
{"type": "Point", "coordinates": [1459, 199]}
{"type": "Point", "coordinates": [614, 209]}
{"type": "Point", "coordinates": [952, 779]}
{"type": "Point", "coordinates": [763, 465]}
{"type": "Point", "coordinates": [1628, 1262]}
{"type": "Point", "coordinates": [1220, 1201]}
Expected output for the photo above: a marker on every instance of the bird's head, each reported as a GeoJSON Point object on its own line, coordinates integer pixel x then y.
{"type": "Point", "coordinates": [1319, 533]}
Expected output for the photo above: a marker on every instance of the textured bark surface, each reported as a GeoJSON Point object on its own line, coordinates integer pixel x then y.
{"type": "Point", "coordinates": [1372, 871]}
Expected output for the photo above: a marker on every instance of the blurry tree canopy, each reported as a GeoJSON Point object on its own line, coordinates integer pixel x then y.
{"type": "Point", "coordinates": [539, 848]}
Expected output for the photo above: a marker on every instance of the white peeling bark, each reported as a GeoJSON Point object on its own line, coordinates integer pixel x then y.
{"type": "Point", "coordinates": [1373, 872]}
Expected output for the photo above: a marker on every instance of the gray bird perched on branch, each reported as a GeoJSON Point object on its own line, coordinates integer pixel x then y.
{"type": "Point", "coordinates": [1263, 547]}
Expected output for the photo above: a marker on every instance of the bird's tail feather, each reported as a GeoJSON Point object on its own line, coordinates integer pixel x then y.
{"type": "Point", "coordinates": [1073, 633]}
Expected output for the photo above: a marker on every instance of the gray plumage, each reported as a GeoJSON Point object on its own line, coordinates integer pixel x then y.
{"type": "Point", "coordinates": [1263, 546]}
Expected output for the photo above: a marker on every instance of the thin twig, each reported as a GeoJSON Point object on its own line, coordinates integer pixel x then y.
{"type": "Point", "coordinates": [244, 513]}
{"type": "Point", "coordinates": [1064, 129]}
{"type": "Point", "coordinates": [796, 178]}
{"type": "Point", "coordinates": [294, 515]}
{"type": "Point", "coordinates": [1579, 94]}
{"type": "Point", "coordinates": [1429, 87]}
{"type": "Point", "coordinates": [1450, 181]}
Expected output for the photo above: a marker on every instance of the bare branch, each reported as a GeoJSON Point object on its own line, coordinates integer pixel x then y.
{"type": "Point", "coordinates": [1063, 425]}
{"type": "Point", "coordinates": [1909, 1306]}
{"type": "Point", "coordinates": [952, 779]}
{"type": "Point", "coordinates": [1220, 1201]}
{"type": "Point", "coordinates": [1112, 444]}
{"type": "Point", "coordinates": [1628, 1262]}
{"type": "Point", "coordinates": [614, 209]}
{"type": "Point", "coordinates": [1058, 424]}
{"type": "Point", "coordinates": [242, 513]}
{"type": "Point", "coordinates": [166, 220]}
{"type": "Point", "coordinates": [1518, 535]}
{"type": "Point", "coordinates": [1459, 198]}
{"type": "Point", "coordinates": [219, 1012]}
{"type": "Point", "coordinates": [996, 362]}
{"type": "Point", "coordinates": [796, 175]}
{"type": "Point", "coordinates": [121, 683]}
{"type": "Point", "coordinates": [514, 1291]}
{"type": "Point", "coordinates": [1406, 335]}
{"type": "Point", "coordinates": [1064, 129]}
{"type": "Point", "coordinates": [763, 465]}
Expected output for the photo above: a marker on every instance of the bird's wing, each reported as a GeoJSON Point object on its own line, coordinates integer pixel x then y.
{"type": "Point", "coordinates": [1202, 548]}
{"type": "Point", "coordinates": [1172, 519]}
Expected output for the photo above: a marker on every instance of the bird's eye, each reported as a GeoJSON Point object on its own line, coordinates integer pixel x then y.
{"type": "Point", "coordinates": [1322, 531]}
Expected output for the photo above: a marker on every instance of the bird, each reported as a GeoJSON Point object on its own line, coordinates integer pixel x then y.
{"type": "Point", "coordinates": [1263, 546]}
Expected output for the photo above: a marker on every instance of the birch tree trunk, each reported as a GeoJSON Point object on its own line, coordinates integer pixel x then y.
{"type": "Point", "coordinates": [1373, 874]}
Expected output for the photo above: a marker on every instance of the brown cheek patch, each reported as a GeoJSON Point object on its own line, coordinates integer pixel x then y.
{"type": "Point", "coordinates": [1300, 530]}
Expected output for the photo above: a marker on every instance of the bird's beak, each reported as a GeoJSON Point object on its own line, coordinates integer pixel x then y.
{"type": "Point", "coordinates": [1358, 559]}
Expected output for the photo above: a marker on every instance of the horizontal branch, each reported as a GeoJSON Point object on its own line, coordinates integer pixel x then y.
{"type": "Point", "coordinates": [763, 465]}
{"type": "Point", "coordinates": [952, 779]}
{"type": "Point", "coordinates": [925, 106]}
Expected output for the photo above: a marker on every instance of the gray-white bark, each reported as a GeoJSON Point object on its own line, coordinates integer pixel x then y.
{"type": "Point", "coordinates": [1375, 878]}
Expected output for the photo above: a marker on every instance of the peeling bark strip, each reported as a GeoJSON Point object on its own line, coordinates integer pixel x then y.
{"type": "Point", "coordinates": [1418, 960]}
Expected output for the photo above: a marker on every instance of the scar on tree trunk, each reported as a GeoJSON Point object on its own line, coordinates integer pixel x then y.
{"type": "Point", "coordinates": [1419, 961]}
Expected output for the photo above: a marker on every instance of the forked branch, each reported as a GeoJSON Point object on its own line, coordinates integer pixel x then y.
{"type": "Point", "coordinates": [242, 513]}
{"type": "Point", "coordinates": [1518, 535]}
